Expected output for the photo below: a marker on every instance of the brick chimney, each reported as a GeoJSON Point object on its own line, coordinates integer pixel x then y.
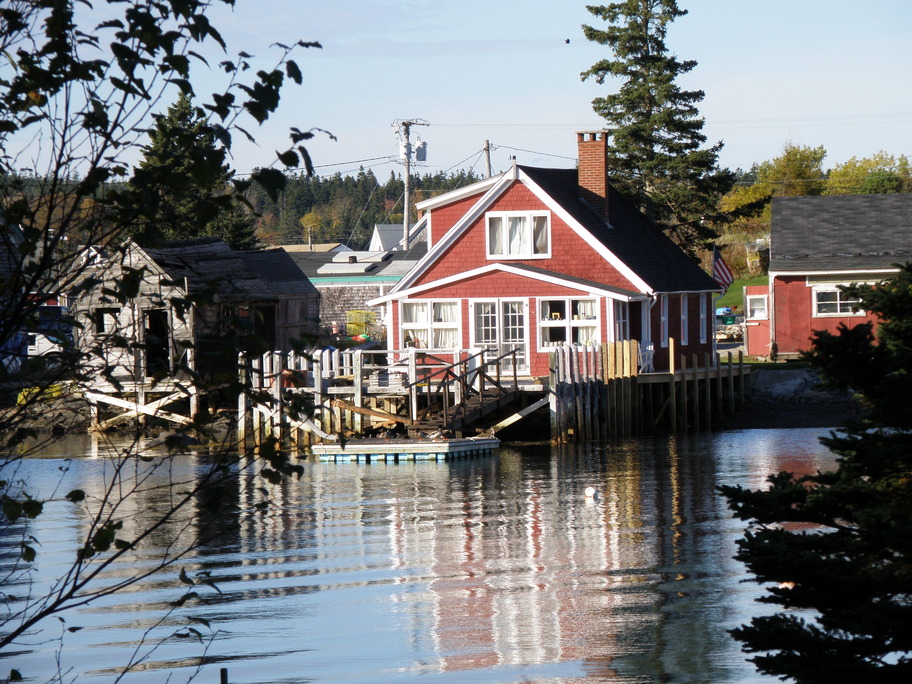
{"type": "Point", "coordinates": [592, 149]}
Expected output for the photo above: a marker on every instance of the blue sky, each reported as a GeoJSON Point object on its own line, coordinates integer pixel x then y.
{"type": "Point", "coordinates": [813, 72]}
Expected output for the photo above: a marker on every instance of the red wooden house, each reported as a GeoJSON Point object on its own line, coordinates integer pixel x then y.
{"type": "Point", "coordinates": [535, 258]}
{"type": "Point", "coordinates": [816, 245]}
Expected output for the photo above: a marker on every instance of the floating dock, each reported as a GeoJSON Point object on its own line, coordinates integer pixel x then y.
{"type": "Point", "coordinates": [396, 450]}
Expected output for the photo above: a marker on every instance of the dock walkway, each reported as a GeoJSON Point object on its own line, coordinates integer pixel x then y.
{"type": "Point", "coordinates": [593, 392]}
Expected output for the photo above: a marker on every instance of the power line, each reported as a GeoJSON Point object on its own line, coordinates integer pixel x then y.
{"type": "Point", "coordinates": [544, 154]}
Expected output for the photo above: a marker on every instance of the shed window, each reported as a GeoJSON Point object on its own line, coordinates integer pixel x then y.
{"type": "Point", "coordinates": [832, 302]}
{"type": "Point", "coordinates": [757, 307]}
{"type": "Point", "coordinates": [518, 235]}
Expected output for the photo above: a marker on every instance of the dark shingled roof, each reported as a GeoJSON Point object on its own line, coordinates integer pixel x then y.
{"type": "Point", "coordinates": [633, 238]}
{"type": "Point", "coordinates": [856, 232]}
{"type": "Point", "coordinates": [209, 262]}
{"type": "Point", "coordinates": [278, 268]}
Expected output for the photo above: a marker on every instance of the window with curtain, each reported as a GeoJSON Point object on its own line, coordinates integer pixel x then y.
{"type": "Point", "coordinates": [430, 325]}
{"type": "Point", "coordinates": [445, 325]}
{"type": "Point", "coordinates": [518, 235]}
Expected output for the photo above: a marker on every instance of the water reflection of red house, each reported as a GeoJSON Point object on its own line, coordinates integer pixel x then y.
{"type": "Point", "coordinates": [489, 612]}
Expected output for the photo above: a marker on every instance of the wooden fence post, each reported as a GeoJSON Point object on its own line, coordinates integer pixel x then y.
{"type": "Point", "coordinates": [707, 390]}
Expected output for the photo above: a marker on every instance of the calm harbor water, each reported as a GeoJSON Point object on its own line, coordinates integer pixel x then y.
{"type": "Point", "coordinates": [494, 569]}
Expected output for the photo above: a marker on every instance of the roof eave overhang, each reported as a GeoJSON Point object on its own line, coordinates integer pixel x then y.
{"type": "Point", "coordinates": [833, 271]}
{"type": "Point", "coordinates": [502, 182]}
{"type": "Point", "coordinates": [460, 193]}
{"type": "Point", "coordinates": [507, 268]}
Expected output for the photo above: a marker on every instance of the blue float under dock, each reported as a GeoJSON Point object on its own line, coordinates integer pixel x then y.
{"type": "Point", "coordinates": [395, 450]}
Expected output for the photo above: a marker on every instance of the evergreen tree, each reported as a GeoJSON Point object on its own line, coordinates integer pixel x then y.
{"type": "Point", "coordinates": [837, 545]}
{"type": "Point", "coordinates": [185, 182]}
{"type": "Point", "coordinates": [656, 156]}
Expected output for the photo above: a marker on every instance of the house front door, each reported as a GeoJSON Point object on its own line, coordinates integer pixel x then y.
{"type": "Point", "coordinates": [499, 326]}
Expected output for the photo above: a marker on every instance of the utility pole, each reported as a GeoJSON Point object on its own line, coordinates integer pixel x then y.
{"type": "Point", "coordinates": [487, 154]}
{"type": "Point", "coordinates": [403, 128]}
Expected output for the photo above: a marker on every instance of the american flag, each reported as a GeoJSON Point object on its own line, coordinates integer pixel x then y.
{"type": "Point", "coordinates": [721, 273]}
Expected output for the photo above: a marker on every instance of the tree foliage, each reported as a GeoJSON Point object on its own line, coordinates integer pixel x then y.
{"type": "Point", "coordinates": [185, 182]}
{"type": "Point", "coordinates": [797, 171]}
{"type": "Point", "coordinates": [79, 88]}
{"type": "Point", "coordinates": [656, 156]}
{"type": "Point", "coordinates": [341, 208]}
{"type": "Point", "coordinates": [880, 173]}
{"type": "Point", "coordinates": [836, 545]}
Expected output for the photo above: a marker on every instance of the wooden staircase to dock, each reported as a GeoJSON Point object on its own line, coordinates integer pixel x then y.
{"type": "Point", "coordinates": [460, 395]}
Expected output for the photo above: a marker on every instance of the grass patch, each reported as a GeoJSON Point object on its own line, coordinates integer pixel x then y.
{"type": "Point", "coordinates": [735, 295]}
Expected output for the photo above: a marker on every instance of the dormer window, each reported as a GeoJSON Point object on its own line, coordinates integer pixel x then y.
{"type": "Point", "coordinates": [518, 234]}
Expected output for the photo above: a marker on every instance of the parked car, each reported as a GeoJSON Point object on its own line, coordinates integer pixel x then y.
{"type": "Point", "coordinates": [47, 345]}
{"type": "Point", "coordinates": [31, 348]}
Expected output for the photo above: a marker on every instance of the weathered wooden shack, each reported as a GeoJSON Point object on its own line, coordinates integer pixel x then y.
{"type": "Point", "coordinates": [196, 302]}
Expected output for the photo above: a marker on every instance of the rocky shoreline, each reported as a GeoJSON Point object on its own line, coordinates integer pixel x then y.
{"type": "Point", "coordinates": [791, 398]}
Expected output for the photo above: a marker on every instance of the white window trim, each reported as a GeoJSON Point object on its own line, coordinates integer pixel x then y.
{"type": "Point", "coordinates": [663, 320]}
{"type": "Point", "coordinates": [620, 327]}
{"type": "Point", "coordinates": [499, 302]}
{"type": "Point", "coordinates": [704, 311]}
{"type": "Point", "coordinates": [569, 323]}
{"type": "Point", "coordinates": [429, 325]}
{"type": "Point", "coordinates": [747, 307]}
{"type": "Point", "coordinates": [528, 215]}
{"type": "Point", "coordinates": [685, 333]}
{"type": "Point", "coordinates": [839, 294]}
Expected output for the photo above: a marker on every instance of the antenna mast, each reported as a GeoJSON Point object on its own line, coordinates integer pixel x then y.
{"type": "Point", "coordinates": [403, 128]}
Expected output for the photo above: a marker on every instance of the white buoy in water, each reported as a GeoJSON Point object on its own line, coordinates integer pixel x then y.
{"type": "Point", "coordinates": [591, 493]}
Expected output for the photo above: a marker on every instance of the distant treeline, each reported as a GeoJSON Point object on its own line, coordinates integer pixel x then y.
{"type": "Point", "coordinates": [342, 208]}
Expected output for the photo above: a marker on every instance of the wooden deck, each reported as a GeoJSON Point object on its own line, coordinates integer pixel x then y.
{"type": "Point", "coordinates": [594, 392]}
